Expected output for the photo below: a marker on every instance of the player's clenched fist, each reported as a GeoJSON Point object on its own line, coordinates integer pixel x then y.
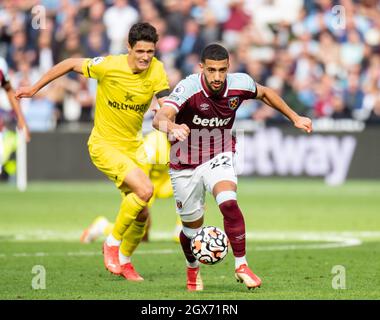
{"type": "Point", "coordinates": [303, 123]}
{"type": "Point", "coordinates": [180, 132]}
{"type": "Point", "coordinates": [25, 92]}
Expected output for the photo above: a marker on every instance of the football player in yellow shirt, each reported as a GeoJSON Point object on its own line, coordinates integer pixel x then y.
{"type": "Point", "coordinates": [157, 147]}
{"type": "Point", "coordinates": [126, 86]}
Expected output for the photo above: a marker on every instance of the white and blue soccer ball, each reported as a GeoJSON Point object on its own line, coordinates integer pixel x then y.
{"type": "Point", "coordinates": [209, 245]}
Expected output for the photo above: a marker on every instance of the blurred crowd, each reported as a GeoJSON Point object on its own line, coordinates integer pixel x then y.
{"type": "Point", "coordinates": [322, 56]}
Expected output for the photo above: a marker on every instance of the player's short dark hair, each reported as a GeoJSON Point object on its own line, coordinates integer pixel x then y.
{"type": "Point", "coordinates": [142, 31]}
{"type": "Point", "coordinates": [214, 52]}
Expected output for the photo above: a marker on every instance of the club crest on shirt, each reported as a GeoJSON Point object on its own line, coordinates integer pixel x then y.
{"type": "Point", "coordinates": [204, 106]}
{"type": "Point", "coordinates": [233, 103]}
{"type": "Point", "coordinates": [179, 204]}
{"type": "Point", "coordinates": [147, 84]}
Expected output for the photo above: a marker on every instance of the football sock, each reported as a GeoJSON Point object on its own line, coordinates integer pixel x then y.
{"type": "Point", "coordinates": [185, 243]}
{"type": "Point", "coordinates": [111, 241]}
{"type": "Point", "coordinates": [130, 207]}
{"type": "Point", "coordinates": [147, 229]}
{"type": "Point", "coordinates": [123, 259]}
{"type": "Point", "coordinates": [239, 261]}
{"type": "Point", "coordinates": [132, 237]}
{"type": "Point", "coordinates": [234, 226]}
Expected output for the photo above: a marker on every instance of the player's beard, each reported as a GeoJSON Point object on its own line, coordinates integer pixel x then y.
{"type": "Point", "coordinates": [209, 85]}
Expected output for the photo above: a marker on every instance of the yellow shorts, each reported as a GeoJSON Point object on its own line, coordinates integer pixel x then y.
{"type": "Point", "coordinates": [115, 162]}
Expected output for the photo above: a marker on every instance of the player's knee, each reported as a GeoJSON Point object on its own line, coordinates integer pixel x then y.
{"type": "Point", "coordinates": [145, 192]}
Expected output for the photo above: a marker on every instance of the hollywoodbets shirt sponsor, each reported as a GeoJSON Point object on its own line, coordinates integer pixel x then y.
{"type": "Point", "coordinates": [210, 117]}
{"type": "Point", "coordinates": [141, 108]}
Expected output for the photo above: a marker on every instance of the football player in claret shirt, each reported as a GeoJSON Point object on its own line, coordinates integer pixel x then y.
{"type": "Point", "coordinates": [199, 115]}
{"type": "Point", "coordinates": [126, 86]}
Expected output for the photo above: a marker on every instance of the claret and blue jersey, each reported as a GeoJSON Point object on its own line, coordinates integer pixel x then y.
{"type": "Point", "coordinates": [209, 116]}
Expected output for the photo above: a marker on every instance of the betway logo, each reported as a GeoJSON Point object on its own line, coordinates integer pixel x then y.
{"type": "Point", "coordinates": [271, 152]}
{"type": "Point", "coordinates": [213, 122]}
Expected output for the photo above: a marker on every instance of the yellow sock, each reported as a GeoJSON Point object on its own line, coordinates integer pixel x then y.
{"type": "Point", "coordinates": [130, 207]}
{"type": "Point", "coordinates": [132, 237]}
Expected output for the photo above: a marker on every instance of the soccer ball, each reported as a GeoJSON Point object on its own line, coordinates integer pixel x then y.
{"type": "Point", "coordinates": [209, 245]}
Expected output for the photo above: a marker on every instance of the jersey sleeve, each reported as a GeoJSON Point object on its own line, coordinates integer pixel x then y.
{"type": "Point", "coordinates": [94, 68]}
{"type": "Point", "coordinates": [162, 83]}
{"type": "Point", "coordinates": [179, 96]}
{"type": "Point", "coordinates": [251, 88]}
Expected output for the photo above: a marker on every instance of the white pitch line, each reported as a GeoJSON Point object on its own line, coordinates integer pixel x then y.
{"type": "Point", "coordinates": [345, 243]}
{"type": "Point", "coordinates": [328, 240]}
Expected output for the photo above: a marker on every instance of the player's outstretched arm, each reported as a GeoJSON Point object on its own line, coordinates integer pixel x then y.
{"type": "Point", "coordinates": [67, 65]}
{"type": "Point", "coordinates": [272, 99]}
{"type": "Point", "coordinates": [164, 121]}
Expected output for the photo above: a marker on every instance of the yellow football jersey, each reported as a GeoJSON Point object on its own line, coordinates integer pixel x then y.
{"type": "Point", "coordinates": [122, 98]}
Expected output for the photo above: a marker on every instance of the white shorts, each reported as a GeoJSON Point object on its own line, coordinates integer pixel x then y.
{"type": "Point", "coordinates": [189, 185]}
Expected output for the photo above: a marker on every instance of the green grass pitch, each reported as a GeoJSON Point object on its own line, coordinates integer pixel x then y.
{"type": "Point", "coordinates": [297, 232]}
